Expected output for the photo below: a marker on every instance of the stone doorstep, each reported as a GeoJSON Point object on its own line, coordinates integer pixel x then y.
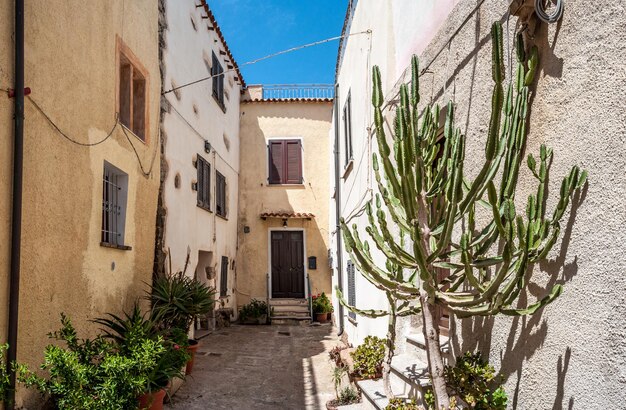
{"type": "Point", "coordinates": [418, 340]}
{"type": "Point", "coordinates": [292, 302]}
{"type": "Point", "coordinates": [291, 308]}
{"type": "Point", "coordinates": [290, 313]}
{"type": "Point", "coordinates": [373, 392]}
{"type": "Point", "coordinates": [411, 369]}
{"type": "Point", "coordinates": [291, 320]}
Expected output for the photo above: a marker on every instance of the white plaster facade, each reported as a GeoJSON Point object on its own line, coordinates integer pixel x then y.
{"type": "Point", "coordinates": [191, 119]}
{"type": "Point", "coordinates": [572, 354]}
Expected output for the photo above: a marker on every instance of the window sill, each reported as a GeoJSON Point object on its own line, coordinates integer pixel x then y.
{"type": "Point", "coordinates": [288, 185]}
{"type": "Point", "coordinates": [353, 321]}
{"type": "Point", "coordinates": [219, 103]}
{"type": "Point", "coordinates": [224, 217]}
{"type": "Point", "coordinates": [347, 169]}
{"type": "Point", "coordinates": [113, 246]}
{"type": "Point", "coordinates": [206, 209]}
{"type": "Point", "coordinates": [127, 130]}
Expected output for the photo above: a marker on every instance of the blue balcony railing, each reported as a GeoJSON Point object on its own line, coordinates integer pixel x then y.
{"type": "Point", "coordinates": [290, 91]}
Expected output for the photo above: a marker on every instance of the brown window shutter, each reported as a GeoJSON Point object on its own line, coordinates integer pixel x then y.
{"type": "Point", "coordinates": [294, 162]}
{"type": "Point", "coordinates": [276, 162]}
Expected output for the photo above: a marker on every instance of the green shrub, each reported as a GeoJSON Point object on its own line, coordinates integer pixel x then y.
{"type": "Point", "coordinates": [474, 381]}
{"type": "Point", "coordinates": [402, 404]}
{"type": "Point", "coordinates": [253, 310]}
{"type": "Point", "coordinates": [4, 375]}
{"type": "Point", "coordinates": [94, 374]}
{"type": "Point", "coordinates": [368, 358]}
{"type": "Point", "coordinates": [321, 304]}
{"type": "Point", "coordinates": [348, 395]}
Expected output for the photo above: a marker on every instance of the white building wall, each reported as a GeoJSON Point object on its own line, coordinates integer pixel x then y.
{"type": "Point", "coordinates": [194, 117]}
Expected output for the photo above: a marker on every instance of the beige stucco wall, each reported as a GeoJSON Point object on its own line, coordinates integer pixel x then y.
{"type": "Point", "coordinates": [572, 354]}
{"type": "Point", "coordinates": [191, 117]}
{"type": "Point", "coordinates": [259, 122]}
{"type": "Point", "coordinates": [71, 68]}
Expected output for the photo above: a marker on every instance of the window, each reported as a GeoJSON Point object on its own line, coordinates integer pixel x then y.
{"type": "Point", "coordinates": [347, 127]}
{"type": "Point", "coordinates": [351, 288]}
{"type": "Point", "coordinates": [133, 89]}
{"type": "Point", "coordinates": [114, 198]}
{"type": "Point", "coordinates": [285, 162]}
{"type": "Point", "coordinates": [220, 194]}
{"type": "Point", "coordinates": [204, 183]}
{"type": "Point", "coordinates": [224, 277]}
{"type": "Point", "coordinates": [218, 81]}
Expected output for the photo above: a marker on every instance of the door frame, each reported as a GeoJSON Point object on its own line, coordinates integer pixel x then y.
{"type": "Point", "coordinates": [269, 258]}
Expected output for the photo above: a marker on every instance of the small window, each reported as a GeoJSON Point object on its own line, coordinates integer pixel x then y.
{"type": "Point", "coordinates": [285, 162]}
{"type": "Point", "coordinates": [114, 199]}
{"type": "Point", "coordinates": [204, 183]}
{"type": "Point", "coordinates": [218, 81]}
{"type": "Point", "coordinates": [220, 194]}
{"type": "Point", "coordinates": [132, 99]}
{"type": "Point", "coordinates": [224, 277]}
{"type": "Point", "coordinates": [347, 128]}
{"type": "Point", "coordinates": [351, 288]}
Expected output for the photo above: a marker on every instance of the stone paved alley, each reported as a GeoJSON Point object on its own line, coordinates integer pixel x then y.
{"type": "Point", "coordinates": [260, 367]}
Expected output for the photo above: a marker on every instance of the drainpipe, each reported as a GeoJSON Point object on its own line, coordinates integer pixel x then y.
{"type": "Point", "coordinates": [16, 217]}
{"type": "Point", "coordinates": [338, 208]}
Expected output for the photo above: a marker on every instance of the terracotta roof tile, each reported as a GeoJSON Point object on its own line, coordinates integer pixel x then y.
{"type": "Point", "coordinates": [283, 215]}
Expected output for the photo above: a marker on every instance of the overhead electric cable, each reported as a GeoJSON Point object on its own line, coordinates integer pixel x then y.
{"type": "Point", "coordinates": [316, 43]}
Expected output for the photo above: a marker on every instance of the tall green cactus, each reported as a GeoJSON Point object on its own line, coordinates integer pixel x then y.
{"type": "Point", "coordinates": [429, 200]}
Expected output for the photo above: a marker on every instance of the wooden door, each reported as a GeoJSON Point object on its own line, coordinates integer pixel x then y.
{"type": "Point", "coordinates": [287, 262]}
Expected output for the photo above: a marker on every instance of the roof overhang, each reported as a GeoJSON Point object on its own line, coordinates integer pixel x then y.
{"type": "Point", "coordinates": [287, 215]}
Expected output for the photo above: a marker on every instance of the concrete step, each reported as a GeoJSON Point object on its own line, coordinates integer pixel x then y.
{"type": "Point", "coordinates": [373, 392]}
{"type": "Point", "coordinates": [291, 308]}
{"type": "Point", "coordinates": [418, 340]}
{"type": "Point", "coordinates": [291, 313]}
{"type": "Point", "coordinates": [412, 370]}
{"type": "Point", "coordinates": [291, 320]}
{"type": "Point", "coordinates": [289, 302]}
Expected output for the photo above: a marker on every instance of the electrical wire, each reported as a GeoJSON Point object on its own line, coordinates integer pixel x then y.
{"type": "Point", "coordinates": [549, 17]}
{"type": "Point", "coordinates": [143, 171]}
{"type": "Point", "coordinates": [316, 43]}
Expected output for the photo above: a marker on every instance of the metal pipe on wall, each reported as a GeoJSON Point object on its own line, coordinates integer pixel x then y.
{"type": "Point", "coordinates": [16, 213]}
{"type": "Point", "coordinates": [338, 208]}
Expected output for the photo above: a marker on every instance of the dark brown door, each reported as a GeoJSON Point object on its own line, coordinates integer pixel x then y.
{"type": "Point", "coordinates": [287, 253]}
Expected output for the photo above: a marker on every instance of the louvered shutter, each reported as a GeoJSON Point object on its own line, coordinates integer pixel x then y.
{"type": "Point", "coordinates": [294, 162]}
{"type": "Point", "coordinates": [200, 185]}
{"type": "Point", "coordinates": [207, 185]}
{"type": "Point", "coordinates": [276, 162]}
{"type": "Point", "coordinates": [351, 288]}
{"type": "Point", "coordinates": [224, 277]}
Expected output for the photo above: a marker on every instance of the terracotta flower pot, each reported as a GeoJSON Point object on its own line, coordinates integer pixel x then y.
{"type": "Point", "coordinates": [193, 346]}
{"type": "Point", "coordinates": [152, 401]}
{"type": "Point", "coordinates": [321, 317]}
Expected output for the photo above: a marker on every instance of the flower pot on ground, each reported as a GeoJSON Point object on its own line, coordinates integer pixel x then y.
{"type": "Point", "coordinates": [322, 307]}
{"type": "Point", "coordinates": [253, 313]}
{"type": "Point", "coordinates": [192, 349]}
{"type": "Point", "coordinates": [152, 401]}
{"type": "Point", "coordinates": [368, 359]}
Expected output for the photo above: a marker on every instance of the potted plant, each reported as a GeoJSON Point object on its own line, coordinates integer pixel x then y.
{"type": "Point", "coordinates": [322, 307]}
{"type": "Point", "coordinates": [347, 395]}
{"type": "Point", "coordinates": [253, 313]}
{"type": "Point", "coordinates": [89, 374]}
{"type": "Point", "coordinates": [177, 300]}
{"type": "Point", "coordinates": [368, 359]}
{"type": "Point", "coordinates": [125, 330]}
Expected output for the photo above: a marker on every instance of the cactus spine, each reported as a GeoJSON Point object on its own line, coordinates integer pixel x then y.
{"type": "Point", "coordinates": [427, 197]}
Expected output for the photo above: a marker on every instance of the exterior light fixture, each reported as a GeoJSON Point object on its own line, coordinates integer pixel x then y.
{"type": "Point", "coordinates": [284, 222]}
{"type": "Point", "coordinates": [207, 147]}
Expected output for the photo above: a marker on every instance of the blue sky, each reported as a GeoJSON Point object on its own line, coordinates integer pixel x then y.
{"type": "Point", "coordinates": [256, 28]}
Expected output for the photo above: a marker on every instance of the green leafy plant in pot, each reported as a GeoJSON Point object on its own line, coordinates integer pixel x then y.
{"type": "Point", "coordinates": [124, 330]}
{"type": "Point", "coordinates": [94, 374]}
{"type": "Point", "coordinates": [254, 313]}
{"type": "Point", "coordinates": [177, 300]}
{"type": "Point", "coordinates": [322, 307]}
{"type": "Point", "coordinates": [368, 358]}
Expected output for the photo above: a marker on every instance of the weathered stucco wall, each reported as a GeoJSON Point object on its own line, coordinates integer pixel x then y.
{"type": "Point", "coordinates": [73, 78]}
{"type": "Point", "coordinates": [193, 116]}
{"type": "Point", "coordinates": [572, 353]}
{"type": "Point", "coordinates": [260, 121]}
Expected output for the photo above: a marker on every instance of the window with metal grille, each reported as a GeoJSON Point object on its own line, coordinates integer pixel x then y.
{"type": "Point", "coordinates": [224, 277]}
{"type": "Point", "coordinates": [285, 162]}
{"type": "Point", "coordinates": [204, 183]}
{"type": "Point", "coordinates": [218, 81]}
{"type": "Point", "coordinates": [347, 128]}
{"type": "Point", "coordinates": [220, 194]}
{"type": "Point", "coordinates": [114, 199]}
{"type": "Point", "coordinates": [132, 88]}
{"type": "Point", "coordinates": [351, 288]}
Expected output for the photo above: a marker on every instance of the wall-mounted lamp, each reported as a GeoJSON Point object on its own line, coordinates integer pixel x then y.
{"type": "Point", "coordinates": [207, 147]}
{"type": "Point", "coordinates": [284, 222]}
